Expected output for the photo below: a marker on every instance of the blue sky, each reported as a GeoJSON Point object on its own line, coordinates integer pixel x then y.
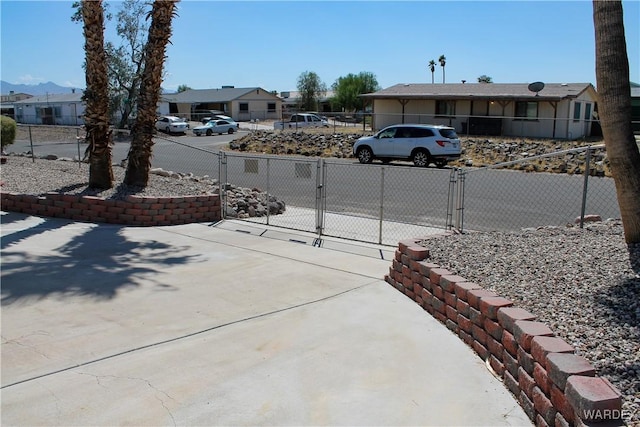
{"type": "Point", "coordinates": [269, 44]}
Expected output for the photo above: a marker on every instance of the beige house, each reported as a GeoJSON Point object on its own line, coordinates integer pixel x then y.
{"type": "Point", "coordinates": [558, 110]}
{"type": "Point", "coordinates": [242, 104]}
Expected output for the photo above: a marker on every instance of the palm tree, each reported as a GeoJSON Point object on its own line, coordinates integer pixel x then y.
{"type": "Point", "coordinates": [443, 62]}
{"type": "Point", "coordinates": [139, 158]}
{"type": "Point", "coordinates": [432, 67]}
{"type": "Point", "coordinates": [614, 108]}
{"type": "Point", "coordinates": [96, 97]}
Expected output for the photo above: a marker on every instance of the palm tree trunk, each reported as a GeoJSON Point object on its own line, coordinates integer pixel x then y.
{"type": "Point", "coordinates": [139, 159]}
{"type": "Point", "coordinates": [614, 107]}
{"type": "Point", "coordinates": [96, 97]}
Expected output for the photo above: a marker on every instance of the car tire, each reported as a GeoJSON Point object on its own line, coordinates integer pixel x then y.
{"type": "Point", "coordinates": [421, 158]}
{"type": "Point", "coordinates": [209, 132]}
{"type": "Point", "coordinates": [441, 163]}
{"type": "Point", "coordinates": [230, 131]}
{"type": "Point", "coordinates": [167, 130]}
{"type": "Point", "coordinates": [365, 155]}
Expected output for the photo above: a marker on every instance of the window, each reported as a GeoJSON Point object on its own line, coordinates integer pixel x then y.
{"type": "Point", "coordinates": [244, 107]}
{"type": "Point", "coordinates": [587, 111]}
{"type": "Point", "coordinates": [526, 110]}
{"type": "Point", "coordinates": [421, 133]}
{"type": "Point", "coordinates": [387, 133]}
{"type": "Point", "coordinates": [271, 107]}
{"type": "Point", "coordinates": [445, 108]}
{"type": "Point", "coordinates": [576, 111]}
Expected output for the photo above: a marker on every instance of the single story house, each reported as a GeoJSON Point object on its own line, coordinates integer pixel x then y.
{"type": "Point", "coordinates": [50, 109]}
{"type": "Point", "coordinates": [556, 110]}
{"type": "Point", "coordinates": [242, 104]}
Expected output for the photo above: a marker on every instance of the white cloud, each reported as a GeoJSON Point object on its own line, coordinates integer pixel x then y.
{"type": "Point", "coordinates": [29, 79]}
{"type": "Point", "coordinates": [76, 85]}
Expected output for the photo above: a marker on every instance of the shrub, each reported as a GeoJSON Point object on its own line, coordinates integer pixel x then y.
{"type": "Point", "coordinates": [8, 134]}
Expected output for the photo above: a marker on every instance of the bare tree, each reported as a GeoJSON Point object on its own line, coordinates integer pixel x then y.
{"type": "Point", "coordinates": [614, 108]}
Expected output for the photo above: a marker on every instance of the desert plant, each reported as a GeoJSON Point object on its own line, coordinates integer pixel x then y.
{"type": "Point", "coordinates": [8, 131]}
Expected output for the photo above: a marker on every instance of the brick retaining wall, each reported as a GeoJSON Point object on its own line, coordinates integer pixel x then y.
{"type": "Point", "coordinates": [554, 386]}
{"type": "Point", "coordinates": [134, 210]}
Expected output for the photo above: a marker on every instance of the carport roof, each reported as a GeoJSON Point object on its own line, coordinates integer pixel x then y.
{"type": "Point", "coordinates": [210, 95]}
{"type": "Point", "coordinates": [551, 91]}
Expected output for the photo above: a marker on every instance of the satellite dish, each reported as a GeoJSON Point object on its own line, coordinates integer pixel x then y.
{"type": "Point", "coordinates": [536, 87]}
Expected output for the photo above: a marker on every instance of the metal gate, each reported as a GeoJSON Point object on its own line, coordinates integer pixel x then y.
{"type": "Point", "coordinates": [370, 203]}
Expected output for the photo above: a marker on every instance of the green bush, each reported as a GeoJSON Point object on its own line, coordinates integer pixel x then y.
{"type": "Point", "coordinates": [8, 134]}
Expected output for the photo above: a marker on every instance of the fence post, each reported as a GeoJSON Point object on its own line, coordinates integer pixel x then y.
{"type": "Point", "coordinates": [381, 205]}
{"type": "Point", "coordinates": [33, 155]}
{"type": "Point", "coordinates": [320, 196]}
{"type": "Point", "coordinates": [78, 144]}
{"type": "Point", "coordinates": [450, 197]}
{"type": "Point", "coordinates": [268, 191]}
{"type": "Point", "coordinates": [460, 201]}
{"type": "Point", "coordinates": [222, 183]}
{"type": "Point", "coordinates": [587, 169]}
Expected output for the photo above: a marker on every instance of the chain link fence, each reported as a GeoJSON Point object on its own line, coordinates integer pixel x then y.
{"type": "Point", "coordinates": [382, 203]}
{"type": "Point", "coordinates": [509, 196]}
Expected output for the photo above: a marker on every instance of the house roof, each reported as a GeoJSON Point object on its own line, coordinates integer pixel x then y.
{"type": "Point", "coordinates": [551, 91]}
{"type": "Point", "coordinates": [193, 96]}
{"type": "Point", "coordinates": [52, 99]}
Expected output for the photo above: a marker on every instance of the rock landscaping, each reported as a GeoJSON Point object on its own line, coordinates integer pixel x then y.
{"type": "Point", "coordinates": [477, 151]}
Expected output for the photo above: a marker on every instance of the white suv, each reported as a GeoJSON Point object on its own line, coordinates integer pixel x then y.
{"type": "Point", "coordinates": [421, 144]}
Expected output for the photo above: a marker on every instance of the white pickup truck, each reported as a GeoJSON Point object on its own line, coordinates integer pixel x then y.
{"type": "Point", "coordinates": [302, 120]}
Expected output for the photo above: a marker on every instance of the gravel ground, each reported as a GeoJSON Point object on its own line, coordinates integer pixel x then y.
{"type": "Point", "coordinates": [22, 175]}
{"type": "Point", "coordinates": [584, 283]}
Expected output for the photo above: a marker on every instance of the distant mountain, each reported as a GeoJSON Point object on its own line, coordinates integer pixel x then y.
{"type": "Point", "coordinates": [39, 89]}
{"type": "Point", "coordinates": [44, 88]}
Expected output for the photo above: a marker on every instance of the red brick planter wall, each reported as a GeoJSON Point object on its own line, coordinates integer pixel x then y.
{"type": "Point", "coordinates": [135, 210]}
{"type": "Point", "coordinates": [554, 386]}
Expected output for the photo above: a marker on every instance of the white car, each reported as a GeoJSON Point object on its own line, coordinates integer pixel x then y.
{"type": "Point", "coordinates": [171, 124]}
{"type": "Point", "coordinates": [421, 144]}
{"type": "Point", "coordinates": [216, 126]}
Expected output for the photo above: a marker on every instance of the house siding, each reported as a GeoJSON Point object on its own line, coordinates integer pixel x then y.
{"type": "Point", "coordinates": [71, 114]}
{"type": "Point", "coordinates": [493, 110]}
{"type": "Point", "coordinates": [258, 101]}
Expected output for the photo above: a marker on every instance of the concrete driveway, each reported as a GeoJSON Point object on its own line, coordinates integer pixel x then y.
{"type": "Point", "coordinates": [203, 324]}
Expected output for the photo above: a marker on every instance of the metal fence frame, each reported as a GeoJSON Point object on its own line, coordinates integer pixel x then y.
{"type": "Point", "coordinates": [453, 203]}
{"type": "Point", "coordinates": [459, 205]}
{"type": "Point", "coordinates": [464, 174]}
{"type": "Point", "coordinates": [379, 212]}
